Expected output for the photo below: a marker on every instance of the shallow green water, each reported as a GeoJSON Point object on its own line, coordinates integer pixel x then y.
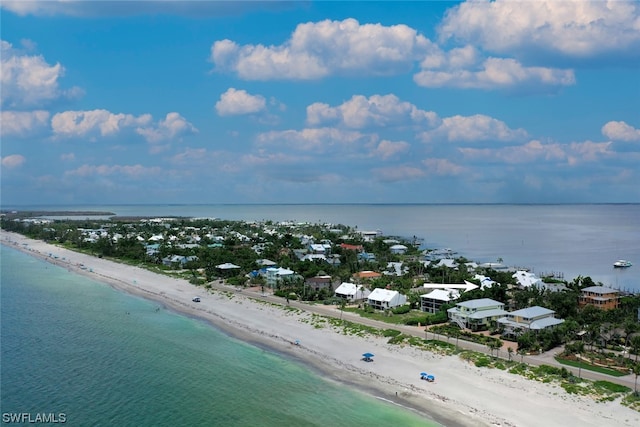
{"type": "Point", "coordinates": [101, 357]}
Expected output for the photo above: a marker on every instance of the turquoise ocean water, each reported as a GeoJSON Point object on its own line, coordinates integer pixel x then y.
{"type": "Point", "coordinates": [104, 358]}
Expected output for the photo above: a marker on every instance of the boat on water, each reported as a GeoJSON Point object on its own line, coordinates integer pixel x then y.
{"type": "Point", "coordinates": [621, 263]}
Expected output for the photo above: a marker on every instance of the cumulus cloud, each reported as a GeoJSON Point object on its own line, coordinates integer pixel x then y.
{"type": "Point", "coordinates": [473, 128]}
{"type": "Point", "coordinates": [578, 29]}
{"type": "Point", "coordinates": [173, 125]}
{"type": "Point", "coordinates": [235, 102]}
{"type": "Point", "coordinates": [29, 81]}
{"type": "Point", "coordinates": [320, 49]}
{"type": "Point", "coordinates": [620, 131]}
{"type": "Point", "coordinates": [23, 123]}
{"type": "Point", "coordinates": [495, 73]}
{"type": "Point", "coordinates": [13, 161]}
{"type": "Point", "coordinates": [387, 149]}
{"type": "Point", "coordinates": [93, 123]}
{"type": "Point", "coordinates": [532, 151]}
{"type": "Point", "coordinates": [320, 140]}
{"type": "Point", "coordinates": [118, 170]}
{"type": "Point", "coordinates": [378, 110]}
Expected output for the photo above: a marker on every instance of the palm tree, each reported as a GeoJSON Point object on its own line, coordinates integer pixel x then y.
{"type": "Point", "coordinates": [510, 351]}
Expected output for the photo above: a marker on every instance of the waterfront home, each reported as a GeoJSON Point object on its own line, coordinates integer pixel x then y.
{"type": "Point", "coordinates": [600, 297]}
{"type": "Point", "coordinates": [385, 299]}
{"type": "Point", "coordinates": [398, 249]}
{"type": "Point", "coordinates": [447, 262]}
{"type": "Point", "coordinates": [369, 236]}
{"type": "Point", "coordinates": [319, 282]}
{"type": "Point", "coordinates": [527, 319]}
{"type": "Point", "coordinates": [434, 300]}
{"type": "Point", "coordinates": [178, 260]}
{"type": "Point", "coordinates": [526, 279]}
{"type": "Point", "coordinates": [275, 276]}
{"type": "Point", "coordinates": [485, 282]}
{"type": "Point", "coordinates": [476, 314]}
{"type": "Point", "coordinates": [352, 292]}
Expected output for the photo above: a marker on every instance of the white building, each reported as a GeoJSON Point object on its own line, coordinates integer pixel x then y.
{"type": "Point", "coordinates": [352, 292]}
{"type": "Point", "coordinates": [385, 299]}
{"type": "Point", "coordinates": [434, 300]}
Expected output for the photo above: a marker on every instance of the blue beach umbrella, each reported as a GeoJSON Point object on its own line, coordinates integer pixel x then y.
{"type": "Point", "coordinates": [368, 355]}
{"type": "Point", "coordinates": [423, 374]}
{"type": "Point", "coordinates": [430, 378]}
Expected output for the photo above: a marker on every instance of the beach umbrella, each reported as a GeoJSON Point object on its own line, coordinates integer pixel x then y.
{"type": "Point", "coordinates": [431, 378]}
{"type": "Point", "coordinates": [423, 374]}
{"type": "Point", "coordinates": [368, 355]}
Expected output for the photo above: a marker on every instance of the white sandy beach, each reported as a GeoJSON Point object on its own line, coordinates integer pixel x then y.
{"type": "Point", "coordinates": [462, 394]}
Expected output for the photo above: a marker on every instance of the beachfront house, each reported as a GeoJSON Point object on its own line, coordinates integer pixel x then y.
{"type": "Point", "coordinates": [526, 279]}
{"type": "Point", "coordinates": [476, 314]}
{"type": "Point", "coordinates": [532, 319]}
{"type": "Point", "coordinates": [352, 292]}
{"type": "Point", "coordinates": [434, 300]}
{"type": "Point", "coordinates": [316, 283]}
{"type": "Point", "coordinates": [600, 297]}
{"type": "Point", "coordinates": [398, 249]}
{"type": "Point", "coordinates": [385, 299]}
{"type": "Point", "coordinates": [277, 275]}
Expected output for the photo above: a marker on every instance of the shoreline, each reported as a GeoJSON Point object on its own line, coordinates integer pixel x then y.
{"type": "Point", "coordinates": [463, 395]}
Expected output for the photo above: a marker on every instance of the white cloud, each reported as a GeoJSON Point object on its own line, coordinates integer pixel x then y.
{"type": "Point", "coordinates": [234, 102]}
{"type": "Point", "coordinates": [580, 29]}
{"type": "Point", "coordinates": [22, 123]}
{"type": "Point", "coordinates": [174, 125]}
{"type": "Point", "coordinates": [68, 157]}
{"type": "Point", "coordinates": [102, 122]}
{"type": "Point", "coordinates": [473, 128]}
{"type": "Point", "coordinates": [377, 110]}
{"type": "Point", "coordinates": [324, 48]}
{"type": "Point", "coordinates": [13, 161]}
{"type": "Point", "coordinates": [532, 151]}
{"type": "Point", "coordinates": [72, 124]}
{"type": "Point", "coordinates": [321, 140]}
{"type": "Point", "coordinates": [620, 131]}
{"type": "Point", "coordinates": [494, 73]}
{"type": "Point", "coordinates": [387, 149]}
{"type": "Point", "coordinates": [29, 81]}
{"type": "Point", "coordinates": [118, 170]}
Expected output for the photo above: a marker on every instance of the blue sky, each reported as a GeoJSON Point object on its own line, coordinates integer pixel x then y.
{"type": "Point", "coordinates": [320, 102]}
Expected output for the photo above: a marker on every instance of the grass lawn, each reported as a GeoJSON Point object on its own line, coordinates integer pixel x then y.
{"type": "Point", "coordinates": [607, 371]}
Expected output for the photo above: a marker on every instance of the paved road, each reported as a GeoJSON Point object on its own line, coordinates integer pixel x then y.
{"type": "Point", "coordinates": [546, 358]}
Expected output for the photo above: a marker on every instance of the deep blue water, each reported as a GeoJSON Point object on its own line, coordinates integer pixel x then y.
{"type": "Point", "coordinates": [77, 347]}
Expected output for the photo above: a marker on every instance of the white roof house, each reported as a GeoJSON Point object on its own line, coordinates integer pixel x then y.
{"type": "Point", "coordinates": [526, 279]}
{"type": "Point", "coordinates": [352, 292]}
{"type": "Point", "coordinates": [276, 274]}
{"type": "Point", "coordinates": [384, 299]}
{"type": "Point", "coordinates": [398, 249]}
{"type": "Point", "coordinates": [433, 301]}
